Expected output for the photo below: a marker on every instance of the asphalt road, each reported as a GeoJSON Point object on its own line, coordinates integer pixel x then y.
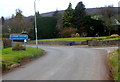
{"type": "Point", "coordinates": [64, 63]}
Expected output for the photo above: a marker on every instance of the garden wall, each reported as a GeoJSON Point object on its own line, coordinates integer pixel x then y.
{"type": "Point", "coordinates": [104, 43]}
{"type": "Point", "coordinates": [89, 43]}
{"type": "Point", "coordinates": [51, 42]}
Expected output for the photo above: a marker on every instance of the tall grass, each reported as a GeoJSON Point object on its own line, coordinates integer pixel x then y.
{"type": "Point", "coordinates": [115, 63]}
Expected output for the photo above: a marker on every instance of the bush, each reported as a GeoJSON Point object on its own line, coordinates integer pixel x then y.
{"type": "Point", "coordinates": [114, 36]}
{"type": "Point", "coordinates": [77, 35]}
{"type": "Point", "coordinates": [18, 47]}
{"type": "Point", "coordinates": [7, 43]}
{"type": "Point", "coordinates": [72, 35]}
{"type": "Point", "coordinates": [67, 32]}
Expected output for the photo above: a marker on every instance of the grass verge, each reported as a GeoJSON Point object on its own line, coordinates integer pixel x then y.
{"type": "Point", "coordinates": [80, 39]}
{"type": "Point", "coordinates": [115, 63]}
{"type": "Point", "coordinates": [10, 57]}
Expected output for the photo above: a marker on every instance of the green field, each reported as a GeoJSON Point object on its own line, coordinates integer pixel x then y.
{"type": "Point", "coordinates": [79, 39]}
{"type": "Point", "coordinates": [13, 57]}
{"type": "Point", "coordinates": [115, 63]}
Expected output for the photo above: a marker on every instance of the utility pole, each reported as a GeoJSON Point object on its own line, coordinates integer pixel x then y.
{"type": "Point", "coordinates": [35, 24]}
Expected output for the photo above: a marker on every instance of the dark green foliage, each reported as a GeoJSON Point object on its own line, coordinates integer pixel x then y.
{"type": "Point", "coordinates": [80, 10]}
{"type": "Point", "coordinates": [79, 14]}
{"type": "Point", "coordinates": [18, 47]}
{"type": "Point", "coordinates": [46, 27]}
{"type": "Point", "coordinates": [68, 16]}
{"type": "Point", "coordinates": [58, 16]}
{"type": "Point", "coordinates": [77, 18]}
{"type": "Point", "coordinates": [31, 34]}
{"type": "Point", "coordinates": [92, 26]}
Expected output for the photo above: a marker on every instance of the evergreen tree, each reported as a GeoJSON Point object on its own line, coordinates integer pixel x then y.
{"type": "Point", "coordinates": [80, 10]}
{"type": "Point", "coordinates": [68, 16]}
{"type": "Point", "coordinates": [2, 18]}
{"type": "Point", "coordinates": [79, 14]}
{"type": "Point", "coordinates": [47, 27]}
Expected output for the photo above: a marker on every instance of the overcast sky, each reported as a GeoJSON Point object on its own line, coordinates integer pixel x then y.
{"type": "Point", "coordinates": [8, 7]}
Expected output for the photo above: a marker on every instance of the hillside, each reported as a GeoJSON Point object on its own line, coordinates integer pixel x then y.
{"type": "Point", "coordinates": [29, 20]}
{"type": "Point", "coordinates": [90, 11]}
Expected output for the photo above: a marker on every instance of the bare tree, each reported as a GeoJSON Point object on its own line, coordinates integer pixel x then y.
{"type": "Point", "coordinates": [108, 14]}
{"type": "Point", "coordinates": [17, 23]}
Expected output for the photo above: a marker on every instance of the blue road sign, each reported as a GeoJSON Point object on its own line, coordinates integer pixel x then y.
{"type": "Point", "coordinates": [18, 36]}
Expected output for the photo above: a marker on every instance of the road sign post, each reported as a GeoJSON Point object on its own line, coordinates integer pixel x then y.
{"type": "Point", "coordinates": [16, 37]}
{"type": "Point", "coordinates": [19, 37]}
{"type": "Point", "coordinates": [12, 43]}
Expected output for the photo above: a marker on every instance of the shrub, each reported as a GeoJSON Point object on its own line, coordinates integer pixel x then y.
{"type": "Point", "coordinates": [67, 32]}
{"type": "Point", "coordinates": [18, 47]}
{"type": "Point", "coordinates": [114, 36]}
{"type": "Point", "coordinates": [6, 43]}
{"type": "Point", "coordinates": [72, 35]}
{"type": "Point", "coordinates": [77, 35]}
